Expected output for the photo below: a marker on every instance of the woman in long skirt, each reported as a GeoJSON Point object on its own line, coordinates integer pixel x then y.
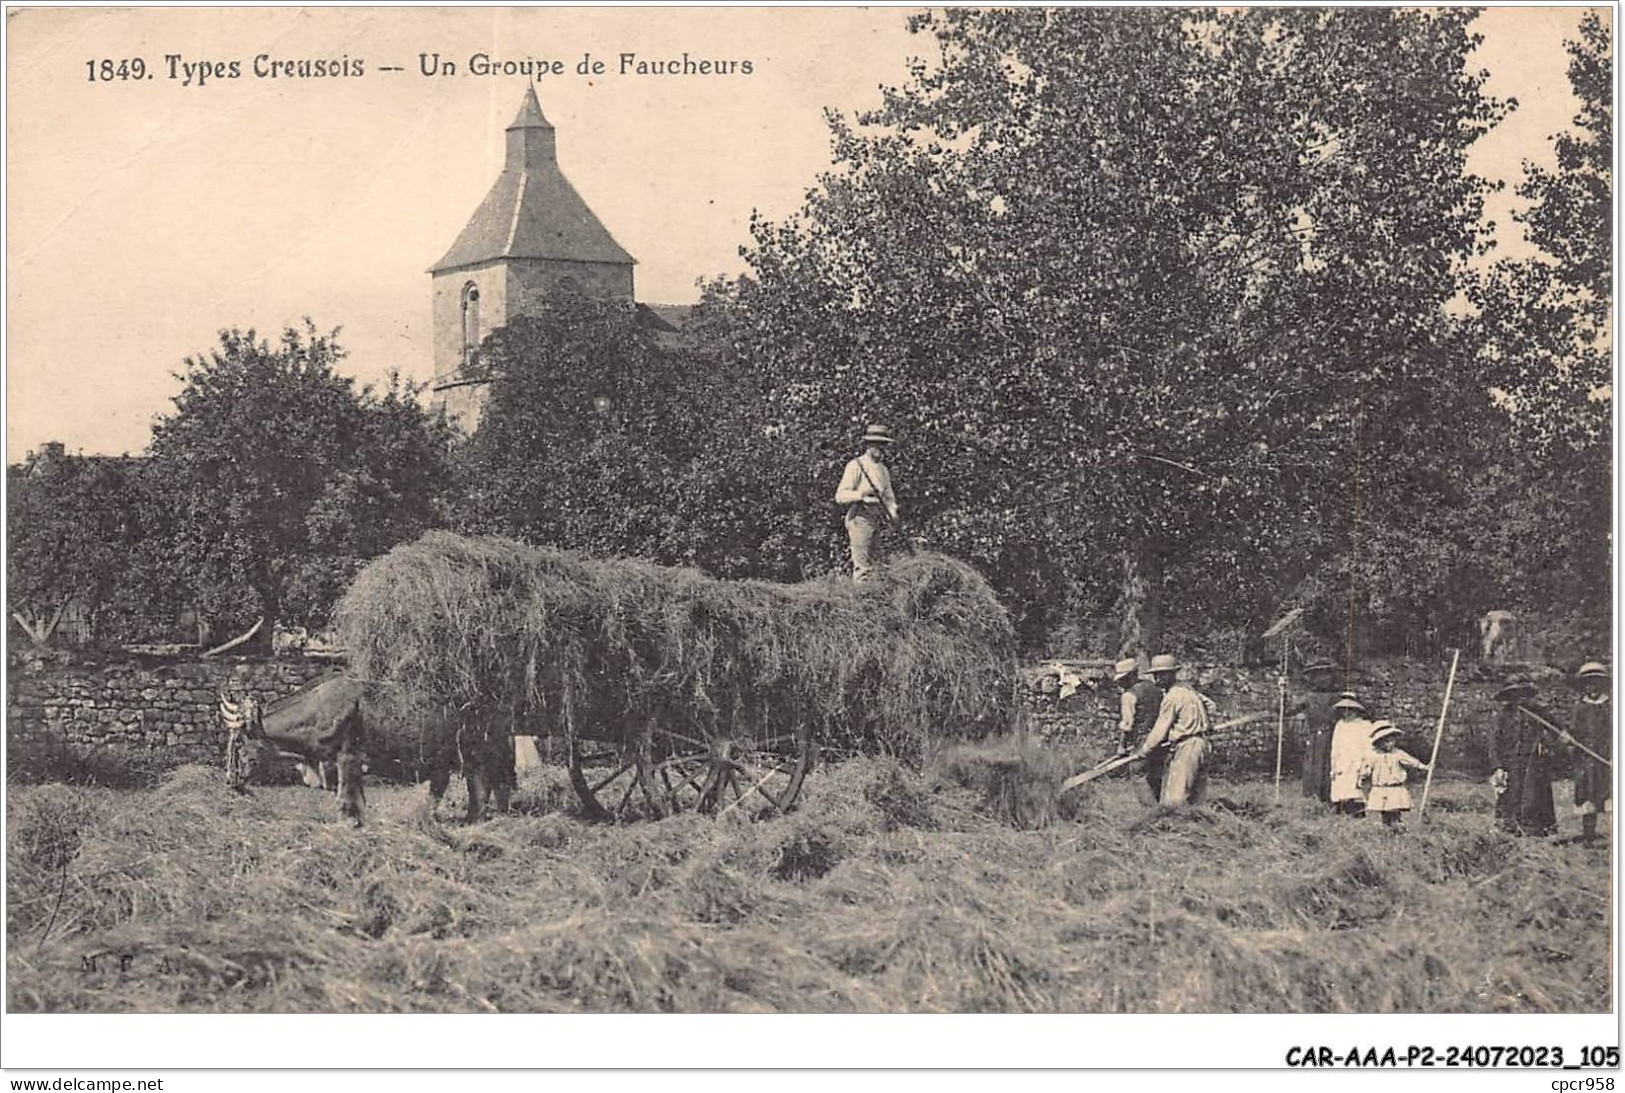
{"type": "Point", "coordinates": [1593, 726]}
{"type": "Point", "coordinates": [1522, 755]}
{"type": "Point", "coordinates": [1351, 746]}
{"type": "Point", "coordinates": [1319, 720]}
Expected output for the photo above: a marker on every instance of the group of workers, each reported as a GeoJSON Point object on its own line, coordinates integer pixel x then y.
{"type": "Point", "coordinates": [1528, 741]}
{"type": "Point", "coordinates": [1171, 719]}
{"type": "Point", "coordinates": [1351, 761]}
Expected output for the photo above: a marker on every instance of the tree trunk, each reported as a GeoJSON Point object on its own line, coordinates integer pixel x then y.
{"type": "Point", "coordinates": [270, 614]}
{"type": "Point", "coordinates": [1139, 602]}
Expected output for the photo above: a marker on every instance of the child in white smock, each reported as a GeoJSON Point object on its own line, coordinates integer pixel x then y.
{"type": "Point", "coordinates": [1385, 769]}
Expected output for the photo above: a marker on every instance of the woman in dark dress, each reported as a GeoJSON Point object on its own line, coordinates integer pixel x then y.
{"type": "Point", "coordinates": [1593, 726]}
{"type": "Point", "coordinates": [1523, 765]}
{"type": "Point", "coordinates": [1318, 721]}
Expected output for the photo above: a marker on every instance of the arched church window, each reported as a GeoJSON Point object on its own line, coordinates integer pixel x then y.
{"type": "Point", "coordinates": [471, 322]}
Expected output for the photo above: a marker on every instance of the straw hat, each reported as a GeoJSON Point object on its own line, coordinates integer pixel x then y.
{"type": "Point", "coordinates": [1382, 730]}
{"type": "Point", "coordinates": [1592, 669]}
{"type": "Point", "coordinates": [877, 434]}
{"type": "Point", "coordinates": [1514, 691]}
{"type": "Point", "coordinates": [1163, 662]}
{"type": "Point", "coordinates": [1125, 667]}
{"type": "Point", "coordinates": [1348, 702]}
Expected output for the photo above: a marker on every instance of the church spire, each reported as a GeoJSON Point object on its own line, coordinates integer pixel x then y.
{"type": "Point", "coordinates": [531, 137]}
{"type": "Point", "coordinates": [530, 112]}
{"type": "Point", "coordinates": [532, 212]}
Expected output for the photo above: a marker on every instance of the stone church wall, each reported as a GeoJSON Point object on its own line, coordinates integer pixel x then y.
{"type": "Point", "coordinates": [447, 310]}
{"type": "Point", "coordinates": [529, 282]}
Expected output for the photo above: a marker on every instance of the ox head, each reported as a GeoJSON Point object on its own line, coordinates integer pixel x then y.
{"type": "Point", "coordinates": [243, 722]}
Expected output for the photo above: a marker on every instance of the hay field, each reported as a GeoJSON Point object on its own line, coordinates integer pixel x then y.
{"type": "Point", "coordinates": [888, 891]}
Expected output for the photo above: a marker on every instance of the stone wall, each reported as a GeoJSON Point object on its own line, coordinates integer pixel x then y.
{"type": "Point", "coordinates": [1407, 693]}
{"type": "Point", "coordinates": [141, 705]}
{"type": "Point", "coordinates": [170, 708]}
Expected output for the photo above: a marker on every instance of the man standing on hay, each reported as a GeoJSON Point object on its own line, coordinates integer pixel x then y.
{"type": "Point", "coordinates": [1175, 751]}
{"type": "Point", "coordinates": [871, 506]}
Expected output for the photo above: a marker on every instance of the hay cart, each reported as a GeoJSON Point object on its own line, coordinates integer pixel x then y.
{"type": "Point", "coordinates": [676, 692]}
{"type": "Point", "coordinates": [666, 771]}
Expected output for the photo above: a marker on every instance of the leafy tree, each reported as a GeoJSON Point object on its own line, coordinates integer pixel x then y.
{"type": "Point", "coordinates": [280, 479]}
{"type": "Point", "coordinates": [1571, 211]}
{"type": "Point", "coordinates": [588, 424]}
{"type": "Point", "coordinates": [72, 523]}
{"type": "Point", "coordinates": [1157, 298]}
{"type": "Point", "coordinates": [1548, 344]}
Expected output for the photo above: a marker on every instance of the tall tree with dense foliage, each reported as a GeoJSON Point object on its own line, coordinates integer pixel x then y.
{"type": "Point", "coordinates": [1549, 347]}
{"type": "Point", "coordinates": [1155, 298]}
{"type": "Point", "coordinates": [72, 523]}
{"type": "Point", "coordinates": [280, 477]}
{"type": "Point", "coordinates": [588, 423]}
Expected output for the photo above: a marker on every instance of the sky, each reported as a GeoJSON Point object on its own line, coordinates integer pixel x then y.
{"type": "Point", "coordinates": [143, 215]}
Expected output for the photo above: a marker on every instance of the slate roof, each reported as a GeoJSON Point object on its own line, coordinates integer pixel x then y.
{"type": "Point", "coordinates": [666, 318]}
{"type": "Point", "coordinates": [532, 212]}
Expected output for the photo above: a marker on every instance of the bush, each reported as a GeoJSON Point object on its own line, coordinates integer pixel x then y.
{"type": "Point", "coordinates": [112, 766]}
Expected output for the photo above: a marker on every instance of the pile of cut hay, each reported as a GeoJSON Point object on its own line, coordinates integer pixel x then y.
{"type": "Point", "coordinates": [1019, 781]}
{"type": "Point", "coordinates": [597, 649]}
{"type": "Point", "coordinates": [888, 891]}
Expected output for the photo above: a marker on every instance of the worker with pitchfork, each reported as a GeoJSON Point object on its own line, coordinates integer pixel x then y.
{"type": "Point", "coordinates": [1138, 706]}
{"type": "Point", "coordinates": [1522, 756]}
{"type": "Point", "coordinates": [1175, 751]}
{"type": "Point", "coordinates": [1593, 729]}
{"type": "Point", "coordinates": [871, 506]}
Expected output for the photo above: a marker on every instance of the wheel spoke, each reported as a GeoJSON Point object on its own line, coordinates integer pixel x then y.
{"type": "Point", "coordinates": [755, 769]}
{"type": "Point", "coordinates": [678, 759]}
{"type": "Point", "coordinates": [701, 744]}
{"type": "Point", "coordinates": [611, 778]}
{"type": "Point", "coordinates": [626, 797]}
{"type": "Point", "coordinates": [714, 776]}
{"type": "Point", "coordinates": [760, 785]}
{"type": "Point", "coordinates": [711, 790]}
{"type": "Point", "coordinates": [689, 779]}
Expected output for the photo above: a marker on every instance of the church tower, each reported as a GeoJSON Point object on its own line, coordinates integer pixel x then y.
{"type": "Point", "coordinates": [531, 231]}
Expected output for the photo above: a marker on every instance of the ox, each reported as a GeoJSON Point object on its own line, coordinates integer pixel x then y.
{"type": "Point", "coordinates": [323, 725]}
{"type": "Point", "coordinates": [329, 729]}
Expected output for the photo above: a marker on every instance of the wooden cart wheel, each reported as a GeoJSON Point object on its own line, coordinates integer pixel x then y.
{"type": "Point", "coordinates": [609, 778]}
{"type": "Point", "coordinates": [712, 775]}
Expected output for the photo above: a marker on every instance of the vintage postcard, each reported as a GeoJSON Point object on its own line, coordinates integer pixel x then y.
{"type": "Point", "coordinates": [1099, 513]}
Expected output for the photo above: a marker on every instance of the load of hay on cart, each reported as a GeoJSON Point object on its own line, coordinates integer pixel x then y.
{"type": "Point", "coordinates": [672, 691]}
